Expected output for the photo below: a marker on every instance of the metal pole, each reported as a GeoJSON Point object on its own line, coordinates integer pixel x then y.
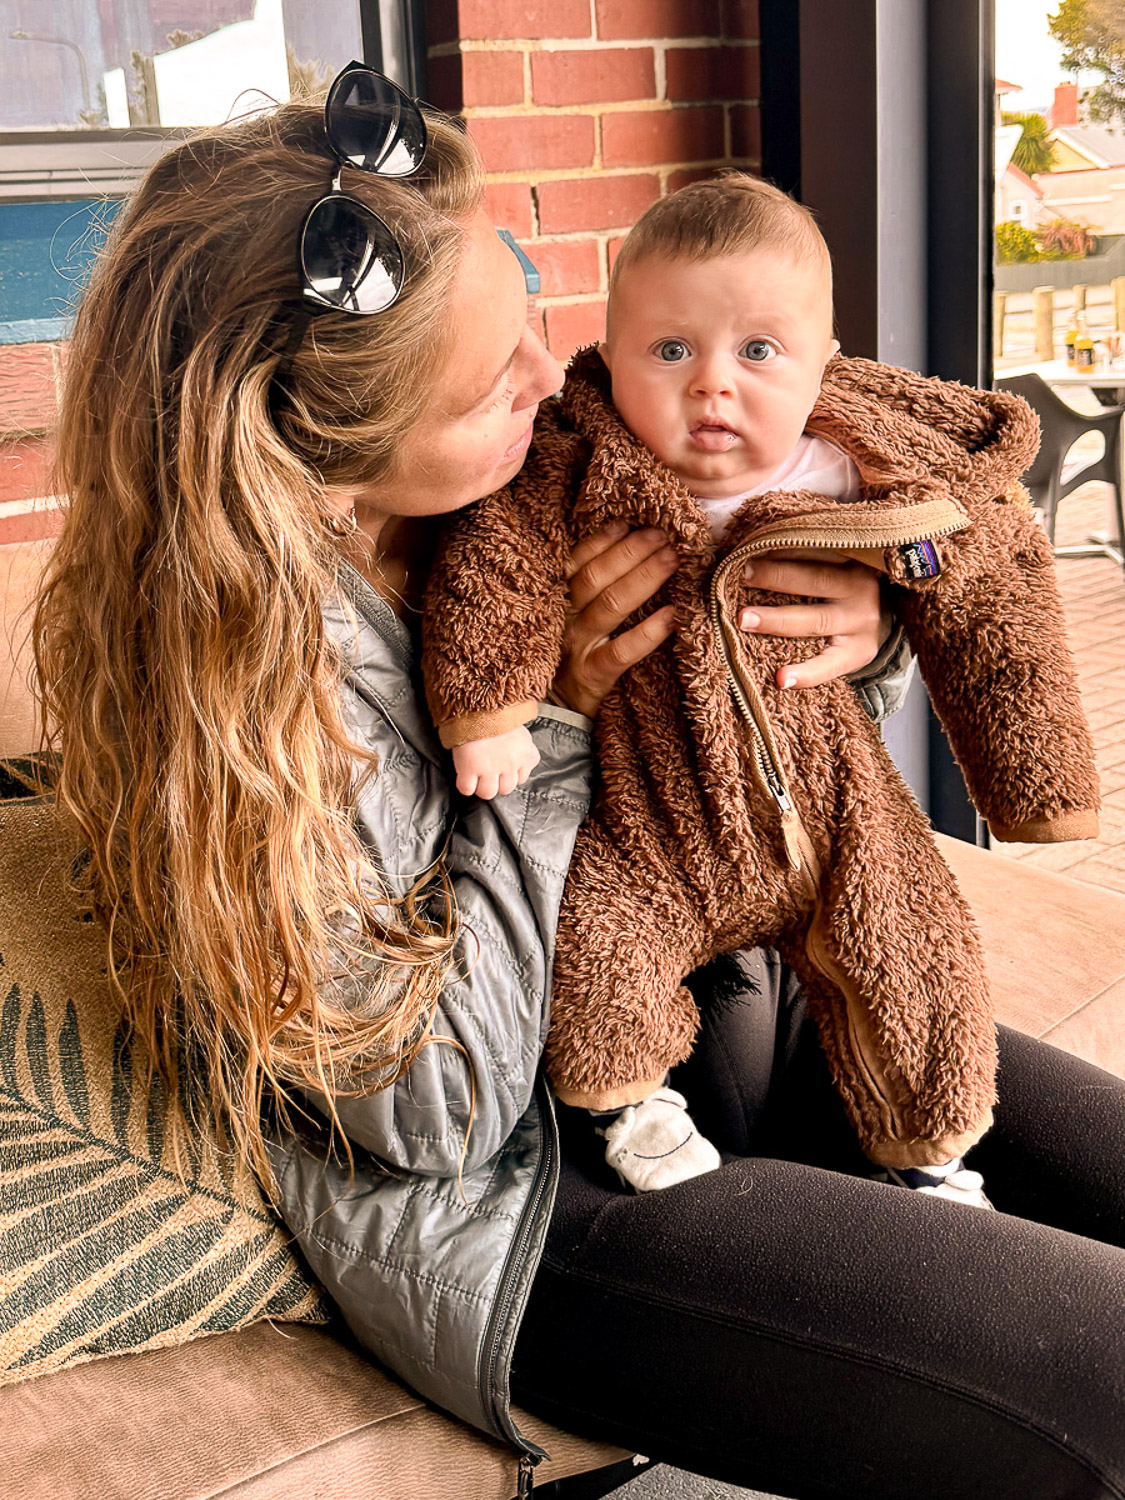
{"type": "Point", "coordinates": [62, 41]}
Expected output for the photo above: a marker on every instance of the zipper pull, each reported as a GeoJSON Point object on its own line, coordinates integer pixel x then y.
{"type": "Point", "coordinates": [526, 1481]}
{"type": "Point", "coordinates": [789, 826]}
{"type": "Point", "coordinates": [780, 795]}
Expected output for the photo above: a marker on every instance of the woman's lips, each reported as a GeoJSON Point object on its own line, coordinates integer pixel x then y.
{"type": "Point", "coordinates": [712, 437]}
{"type": "Point", "coordinates": [520, 446]}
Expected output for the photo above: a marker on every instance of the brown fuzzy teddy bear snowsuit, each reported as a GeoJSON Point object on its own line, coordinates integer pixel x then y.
{"type": "Point", "coordinates": [732, 814]}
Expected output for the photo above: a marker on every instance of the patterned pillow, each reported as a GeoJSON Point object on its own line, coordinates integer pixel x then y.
{"type": "Point", "coordinates": [103, 1248]}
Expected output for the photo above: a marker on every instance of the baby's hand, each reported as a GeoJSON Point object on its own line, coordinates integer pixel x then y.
{"type": "Point", "coordinates": [499, 764]}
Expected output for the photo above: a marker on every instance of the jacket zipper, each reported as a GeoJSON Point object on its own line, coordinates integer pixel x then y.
{"type": "Point", "coordinates": [850, 538]}
{"type": "Point", "coordinates": [799, 847]}
{"type": "Point", "coordinates": [493, 1348]}
{"type": "Point", "coordinates": [771, 776]}
{"type": "Point", "coordinates": [938, 522]}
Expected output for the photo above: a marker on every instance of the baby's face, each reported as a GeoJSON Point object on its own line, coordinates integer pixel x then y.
{"type": "Point", "coordinates": [716, 364]}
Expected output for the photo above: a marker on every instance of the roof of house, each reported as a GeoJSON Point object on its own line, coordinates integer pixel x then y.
{"type": "Point", "coordinates": [1100, 146]}
{"type": "Point", "coordinates": [1021, 176]}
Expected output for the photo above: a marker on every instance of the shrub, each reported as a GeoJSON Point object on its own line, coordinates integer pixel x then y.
{"type": "Point", "coordinates": [1062, 239]}
{"type": "Point", "coordinates": [1015, 243]}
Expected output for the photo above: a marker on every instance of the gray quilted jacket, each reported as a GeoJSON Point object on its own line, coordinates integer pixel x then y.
{"type": "Point", "coordinates": [431, 1276]}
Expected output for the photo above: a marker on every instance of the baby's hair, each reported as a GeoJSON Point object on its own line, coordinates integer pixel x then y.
{"type": "Point", "coordinates": [725, 216]}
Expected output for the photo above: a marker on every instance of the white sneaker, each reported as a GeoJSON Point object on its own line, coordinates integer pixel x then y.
{"type": "Point", "coordinates": [654, 1144]}
{"type": "Point", "coordinates": [952, 1181]}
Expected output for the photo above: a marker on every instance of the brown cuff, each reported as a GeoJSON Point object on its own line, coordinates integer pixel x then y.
{"type": "Point", "coordinates": [926, 1153]}
{"type": "Point", "coordinates": [1082, 823]}
{"type": "Point", "coordinates": [488, 724]}
{"type": "Point", "coordinates": [628, 1093]}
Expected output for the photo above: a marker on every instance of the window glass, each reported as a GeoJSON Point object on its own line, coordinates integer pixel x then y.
{"type": "Point", "coordinates": [97, 64]}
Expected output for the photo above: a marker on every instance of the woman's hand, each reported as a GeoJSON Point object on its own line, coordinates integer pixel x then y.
{"type": "Point", "coordinates": [612, 573]}
{"type": "Point", "coordinates": [846, 606]}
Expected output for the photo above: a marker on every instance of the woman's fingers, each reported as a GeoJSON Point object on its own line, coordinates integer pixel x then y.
{"type": "Point", "coordinates": [620, 652]}
{"type": "Point", "coordinates": [846, 608]}
{"type": "Point", "coordinates": [836, 660]}
{"type": "Point", "coordinates": [613, 574]}
{"type": "Point", "coordinates": [619, 575]}
{"type": "Point", "coordinates": [796, 621]}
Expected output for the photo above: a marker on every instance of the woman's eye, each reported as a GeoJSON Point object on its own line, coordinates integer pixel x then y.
{"type": "Point", "coordinates": [758, 351]}
{"type": "Point", "coordinates": [671, 351]}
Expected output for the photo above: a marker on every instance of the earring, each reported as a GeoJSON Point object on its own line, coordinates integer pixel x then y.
{"type": "Point", "coordinates": [342, 525]}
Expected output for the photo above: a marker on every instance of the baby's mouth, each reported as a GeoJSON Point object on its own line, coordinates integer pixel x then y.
{"type": "Point", "coordinates": [712, 436]}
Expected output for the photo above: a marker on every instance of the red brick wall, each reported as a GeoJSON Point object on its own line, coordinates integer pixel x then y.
{"type": "Point", "coordinates": [28, 386]}
{"type": "Point", "coordinates": [585, 111]}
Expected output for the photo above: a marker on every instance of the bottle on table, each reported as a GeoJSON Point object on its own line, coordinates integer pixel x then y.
{"type": "Point", "coordinates": [1083, 348]}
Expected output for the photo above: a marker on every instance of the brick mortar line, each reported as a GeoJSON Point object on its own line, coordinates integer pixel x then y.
{"type": "Point", "coordinates": [638, 106]}
{"type": "Point", "coordinates": [33, 505]}
{"type": "Point", "coordinates": [583, 174]}
{"type": "Point", "coordinates": [531, 45]}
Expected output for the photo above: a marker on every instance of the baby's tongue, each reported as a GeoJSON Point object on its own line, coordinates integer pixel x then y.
{"type": "Point", "coordinates": [712, 439]}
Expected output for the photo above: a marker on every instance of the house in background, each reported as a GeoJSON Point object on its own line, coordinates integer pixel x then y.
{"type": "Point", "coordinates": [1087, 183]}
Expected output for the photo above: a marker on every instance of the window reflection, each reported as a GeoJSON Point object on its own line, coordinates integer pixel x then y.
{"type": "Point", "coordinates": [104, 64]}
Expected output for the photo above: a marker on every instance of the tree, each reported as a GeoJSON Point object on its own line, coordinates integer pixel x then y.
{"type": "Point", "coordinates": [1034, 152]}
{"type": "Point", "coordinates": [1092, 34]}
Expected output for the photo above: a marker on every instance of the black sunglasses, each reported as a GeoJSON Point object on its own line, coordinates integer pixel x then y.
{"type": "Point", "coordinates": [350, 260]}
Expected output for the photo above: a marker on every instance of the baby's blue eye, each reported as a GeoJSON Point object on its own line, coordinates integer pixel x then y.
{"type": "Point", "coordinates": [758, 351]}
{"type": "Point", "coordinates": [671, 351]}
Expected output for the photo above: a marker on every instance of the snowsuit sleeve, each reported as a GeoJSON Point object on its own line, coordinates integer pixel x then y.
{"type": "Point", "coordinates": [990, 639]}
{"type": "Point", "coordinates": [496, 605]}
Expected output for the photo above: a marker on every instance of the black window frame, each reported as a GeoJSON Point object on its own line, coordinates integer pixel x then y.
{"type": "Point", "coordinates": [879, 115]}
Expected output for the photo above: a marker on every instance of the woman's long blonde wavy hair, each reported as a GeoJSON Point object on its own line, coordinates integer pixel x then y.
{"type": "Point", "coordinates": [186, 676]}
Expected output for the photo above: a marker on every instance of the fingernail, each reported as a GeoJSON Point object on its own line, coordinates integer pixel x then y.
{"type": "Point", "coordinates": [748, 571]}
{"type": "Point", "coordinates": [668, 554]}
{"type": "Point", "coordinates": [617, 528]}
{"type": "Point", "coordinates": [750, 619]}
{"type": "Point", "coordinates": [789, 680]}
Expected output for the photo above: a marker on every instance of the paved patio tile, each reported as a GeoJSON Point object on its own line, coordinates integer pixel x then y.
{"type": "Point", "coordinates": [1093, 591]}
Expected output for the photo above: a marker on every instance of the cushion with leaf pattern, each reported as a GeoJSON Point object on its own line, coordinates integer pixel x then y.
{"type": "Point", "coordinates": [104, 1248]}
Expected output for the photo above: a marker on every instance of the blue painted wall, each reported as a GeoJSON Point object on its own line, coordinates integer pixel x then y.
{"type": "Point", "coordinates": [45, 255]}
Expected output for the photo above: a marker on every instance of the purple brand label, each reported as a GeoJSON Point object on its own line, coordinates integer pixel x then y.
{"type": "Point", "coordinates": [920, 559]}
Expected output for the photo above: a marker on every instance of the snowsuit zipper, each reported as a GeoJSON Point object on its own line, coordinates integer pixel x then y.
{"type": "Point", "coordinates": [831, 530]}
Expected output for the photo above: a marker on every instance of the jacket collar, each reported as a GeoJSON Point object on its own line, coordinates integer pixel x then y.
{"type": "Point", "coordinates": [912, 437]}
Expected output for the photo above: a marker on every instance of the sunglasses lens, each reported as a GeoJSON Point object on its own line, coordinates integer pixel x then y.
{"type": "Point", "coordinates": [349, 257]}
{"type": "Point", "coordinates": [374, 125]}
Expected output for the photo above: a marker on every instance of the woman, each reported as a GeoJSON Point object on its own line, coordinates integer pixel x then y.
{"type": "Point", "coordinates": [226, 643]}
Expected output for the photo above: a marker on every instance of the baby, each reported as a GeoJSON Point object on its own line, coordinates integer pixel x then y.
{"type": "Point", "coordinates": [732, 813]}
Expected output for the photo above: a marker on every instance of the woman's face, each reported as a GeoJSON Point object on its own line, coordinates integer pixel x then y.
{"type": "Point", "coordinates": [474, 434]}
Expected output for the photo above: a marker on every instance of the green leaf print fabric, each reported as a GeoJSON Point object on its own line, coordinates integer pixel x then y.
{"type": "Point", "coordinates": [104, 1248]}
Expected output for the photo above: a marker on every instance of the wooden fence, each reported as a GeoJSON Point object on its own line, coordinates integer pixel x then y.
{"type": "Point", "coordinates": [1038, 321]}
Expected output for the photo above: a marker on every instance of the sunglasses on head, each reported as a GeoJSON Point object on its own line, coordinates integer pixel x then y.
{"type": "Point", "coordinates": [350, 260]}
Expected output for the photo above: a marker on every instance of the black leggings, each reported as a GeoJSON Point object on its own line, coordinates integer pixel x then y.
{"type": "Point", "coordinates": [787, 1325]}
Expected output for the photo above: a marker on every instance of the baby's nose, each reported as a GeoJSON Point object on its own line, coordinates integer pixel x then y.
{"type": "Point", "coordinates": [712, 377]}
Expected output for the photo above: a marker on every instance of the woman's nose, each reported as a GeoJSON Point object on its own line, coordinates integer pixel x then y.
{"type": "Point", "coordinates": [541, 375]}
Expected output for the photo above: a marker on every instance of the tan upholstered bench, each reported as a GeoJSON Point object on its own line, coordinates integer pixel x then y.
{"type": "Point", "coordinates": [288, 1409]}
